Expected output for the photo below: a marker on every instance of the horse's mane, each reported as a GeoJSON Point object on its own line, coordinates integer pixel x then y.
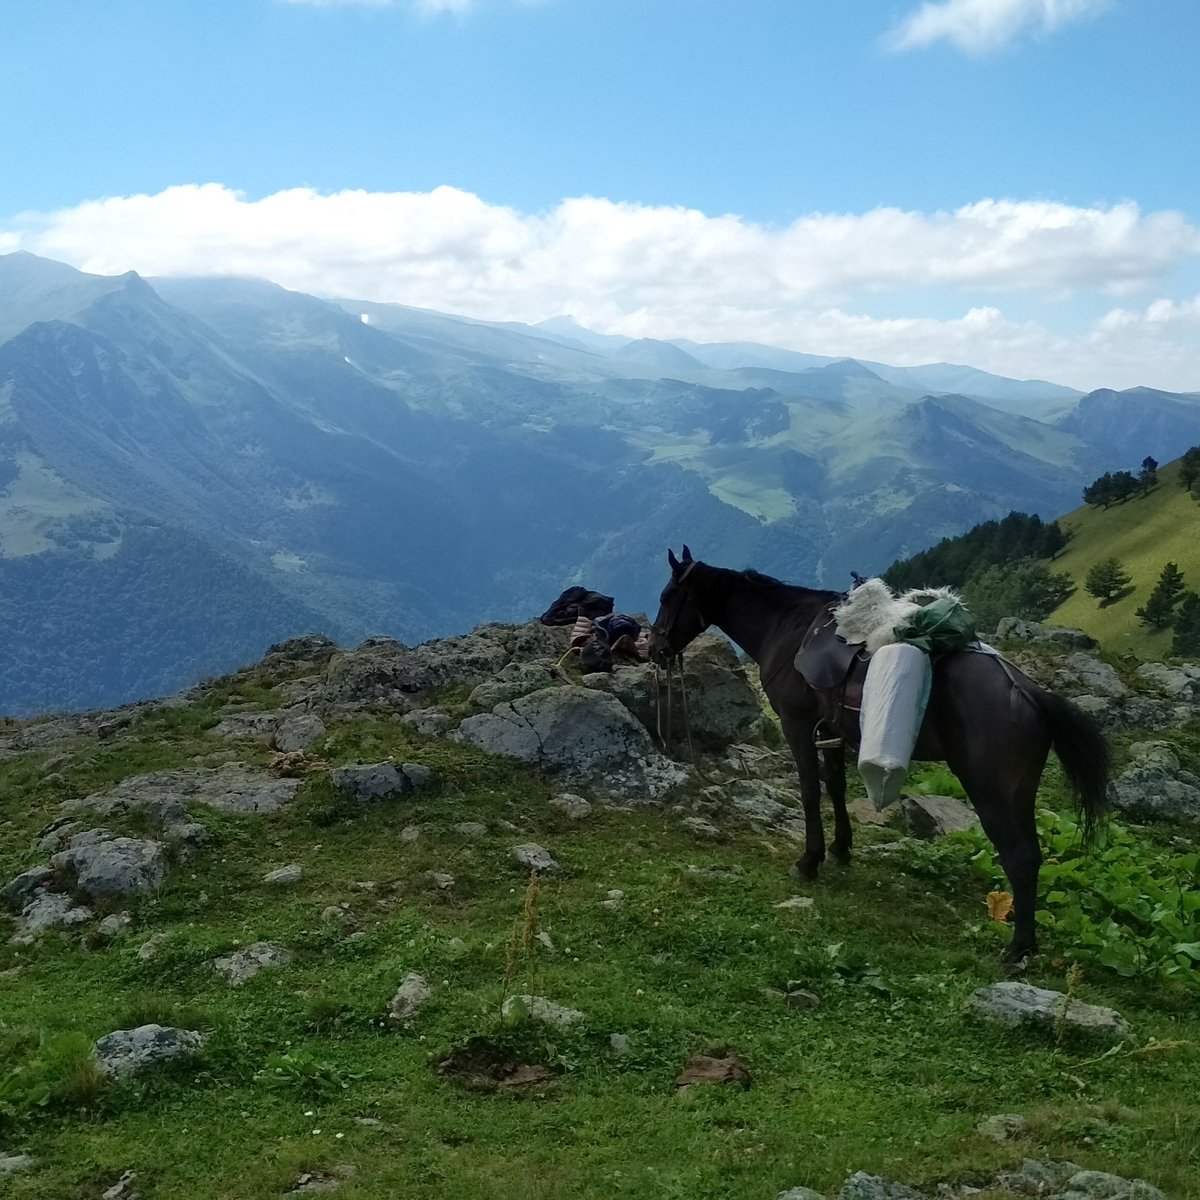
{"type": "Point", "coordinates": [769, 582]}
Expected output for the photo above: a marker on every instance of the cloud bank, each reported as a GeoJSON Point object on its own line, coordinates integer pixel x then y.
{"type": "Point", "coordinates": [980, 26]}
{"type": "Point", "coordinates": [653, 271]}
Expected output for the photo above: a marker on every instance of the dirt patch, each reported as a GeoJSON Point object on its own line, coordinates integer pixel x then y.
{"type": "Point", "coordinates": [483, 1065]}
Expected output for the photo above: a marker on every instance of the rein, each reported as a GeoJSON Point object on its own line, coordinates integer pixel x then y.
{"type": "Point", "coordinates": [673, 662]}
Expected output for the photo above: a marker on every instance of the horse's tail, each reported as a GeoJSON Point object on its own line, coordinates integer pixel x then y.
{"type": "Point", "coordinates": [1083, 752]}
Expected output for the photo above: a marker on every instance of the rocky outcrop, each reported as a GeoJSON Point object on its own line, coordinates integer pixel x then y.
{"type": "Point", "coordinates": [1155, 784]}
{"type": "Point", "coordinates": [1057, 638]}
{"type": "Point", "coordinates": [577, 732]}
{"type": "Point", "coordinates": [163, 795]}
{"type": "Point", "coordinates": [1180, 683]}
{"type": "Point", "coordinates": [245, 964]}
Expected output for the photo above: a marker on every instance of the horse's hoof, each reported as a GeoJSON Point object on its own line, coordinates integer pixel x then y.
{"type": "Point", "coordinates": [841, 857]}
{"type": "Point", "coordinates": [1014, 959]}
{"type": "Point", "coordinates": [806, 871]}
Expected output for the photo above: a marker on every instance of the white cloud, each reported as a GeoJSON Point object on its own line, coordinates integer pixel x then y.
{"type": "Point", "coordinates": [675, 272]}
{"type": "Point", "coordinates": [979, 26]}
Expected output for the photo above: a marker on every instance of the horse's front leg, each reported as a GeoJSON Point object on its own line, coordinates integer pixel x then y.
{"type": "Point", "coordinates": [799, 736]}
{"type": "Point", "coordinates": [833, 763]}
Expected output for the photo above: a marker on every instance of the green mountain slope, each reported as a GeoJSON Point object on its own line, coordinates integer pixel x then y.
{"type": "Point", "coordinates": [1144, 534]}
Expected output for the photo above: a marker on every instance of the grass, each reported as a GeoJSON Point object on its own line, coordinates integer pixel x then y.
{"type": "Point", "coordinates": [1144, 533]}
{"type": "Point", "coordinates": [886, 1075]}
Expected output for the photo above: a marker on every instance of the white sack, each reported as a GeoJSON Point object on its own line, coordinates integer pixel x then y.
{"type": "Point", "coordinates": [895, 694]}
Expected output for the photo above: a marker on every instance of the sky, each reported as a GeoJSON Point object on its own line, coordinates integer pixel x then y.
{"type": "Point", "coordinates": [1012, 184]}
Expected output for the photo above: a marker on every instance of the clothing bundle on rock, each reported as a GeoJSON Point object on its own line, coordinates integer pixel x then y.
{"type": "Point", "coordinates": [900, 634]}
{"type": "Point", "coordinates": [598, 633]}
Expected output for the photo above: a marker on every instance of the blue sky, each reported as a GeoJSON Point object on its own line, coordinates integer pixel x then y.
{"type": "Point", "coordinates": [1039, 157]}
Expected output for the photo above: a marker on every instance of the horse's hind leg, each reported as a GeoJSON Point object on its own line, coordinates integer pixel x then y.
{"type": "Point", "coordinates": [833, 771]}
{"type": "Point", "coordinates": [1007, 815]}
{"type": "Point", "coordinates": [799, 736]}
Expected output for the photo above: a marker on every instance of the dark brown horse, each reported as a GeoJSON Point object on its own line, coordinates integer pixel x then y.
{"type": "Point", "coordinates": [992, 726]}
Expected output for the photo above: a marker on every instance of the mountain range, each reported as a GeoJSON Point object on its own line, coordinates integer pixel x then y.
{"type": "Point", "coordinates": [193, 468]}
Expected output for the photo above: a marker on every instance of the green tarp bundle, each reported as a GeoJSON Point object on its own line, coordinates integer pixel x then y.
{"type": "Point", "coordinates": [941, 627]}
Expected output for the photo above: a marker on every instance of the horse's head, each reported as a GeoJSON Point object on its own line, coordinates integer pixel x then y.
{"type": "Point", "coordinates": [679, 618]}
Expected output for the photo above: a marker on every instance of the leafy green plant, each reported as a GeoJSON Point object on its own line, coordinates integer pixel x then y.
{"type": "Point", "coordinates": [1129, 906]}
{"type": "Point", "coordinates": [301, 1071]}
{"type": "Point", "coordinates": [58, 1071]}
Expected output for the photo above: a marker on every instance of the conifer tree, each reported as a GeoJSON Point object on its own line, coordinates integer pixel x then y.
{"type": "Point", "coordinates": [1186, 639]}
{"type": "Point", "coordinates": [1106, 580]}
{"type": "Point", "coordinates": [1159, 610]}
{"type": "Point", "coordinates": [1148, 476]}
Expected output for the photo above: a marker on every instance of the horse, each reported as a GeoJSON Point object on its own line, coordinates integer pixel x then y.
{"type": "Point", "coordinates": [988, 722]}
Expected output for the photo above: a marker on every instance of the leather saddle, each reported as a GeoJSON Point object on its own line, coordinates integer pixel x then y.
{"type": "Point", "coordinates": [835, 669]}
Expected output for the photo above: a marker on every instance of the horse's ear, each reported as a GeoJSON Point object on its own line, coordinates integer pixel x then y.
{"type": "Point", "coordinates": [672, 560]}
{"type": "Point", "coordinates": [687, 555]}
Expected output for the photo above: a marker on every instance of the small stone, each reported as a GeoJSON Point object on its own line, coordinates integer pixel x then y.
{"type": "Point", "coordinates": [410, 833]}
{"type": "Point", "coordinates": [127, 1051]}
{"type": "Point", "coordinates": [796, 902]}
{"type": "Point", "coordinates": [413, 991]}
{"type": "Point", "coordinates": [292, 873]}
{"type": "Point", "coordinates": [442, 880]}
{"type": "Point", "coordinates": [1003, 1127]}
{"type": "Point", "coordinates": [544, 939]}
{"type": "Point", "coordinates": [245, 964]}
{"type": "Point", "coordinates": [800, 1193]}
{"type": "Point", "coordinates": [368, 1122]}
{"type": "Point", "coordinates": [122, 1189]}
{"type": "Point", "coordinates": [114, 923]}
{"type": "Point", "coordinates": [335, 915]}
{"type": "Point", "coordinates": [573, 807]}
{"type": "Point", "coordinates": [800, 998]}
{"type": "Point", "coordinates": [149, 948]}
{"type": "Point", "coordinates": [929, 817]}
{"type": "Point", "coordinates": [549, 1013]}
{"type": "Point", "coordinates": [471, 829]}
{"type": "Point", "coordinates": [10, 1164]}
{"type": "Point", "coordinates": [700, 827]}
{"type": "Point", "coordinates": [535, 858]}
{"type": "Point", "coordinates": [613, 899]}
{"type": "Point", "coordinates": [705, 874]}
{"type": "Point", "coordinates": [619, 1044]}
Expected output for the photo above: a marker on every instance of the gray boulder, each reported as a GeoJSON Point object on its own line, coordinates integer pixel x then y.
{"type": "Point", "coordinates": [413, 991]}
{"type": "Point", "coordinates": [113, 867]}
{"type": "Point", "coordinates": [722, 706]}
{"type": "Point", "coordinates": [245, 964]}
{"type": "Point", "coordinates": [50, 910]}
{"type": "Point", "coordinates": [128, 1051]}
{"type": "Point", "coordinates": [428, 721]}
{"type": "Point", "coordinates": [299, 732]}
{"type": "Point", "coordinates": [1156, 785]}
{"type": "Point", "coordinates": [17, 891]}
{"type": "Point", "coordinates": [11, 1164]}
{"type": "Point", "coordinates": [533, 857]}
{"type": "Point", "coordinates": [367, 782]}
{"type": "Point", "coordinates": [1092, 675]}
{"type": "Point", "coordinates": [1057, 637]}
{"type": "Point", "coordinates": [578, 732]}
{"type": "Point", "coordinates": [935, 816]}
{"type": "Point", "coordinates": [573, 807]}
{"type": "Point", "coordinates": [282, 876]}
{"type": "Point", "coordinates": [800, 1193]}
{"type": "Point", "coordinates": [257, 725]}
{"type": "Point", "coordinates": [1100, 1185]}
{"type": "Point", "coordinates": [1012, 1003]}
{"type": "Point", "coordinates": [549, 1013]}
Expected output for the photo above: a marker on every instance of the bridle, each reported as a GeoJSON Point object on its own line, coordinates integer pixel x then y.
{"type": "Point", "coordinates": [674, 661]}
{"type": "Point", "coordinates": [683, 596]}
